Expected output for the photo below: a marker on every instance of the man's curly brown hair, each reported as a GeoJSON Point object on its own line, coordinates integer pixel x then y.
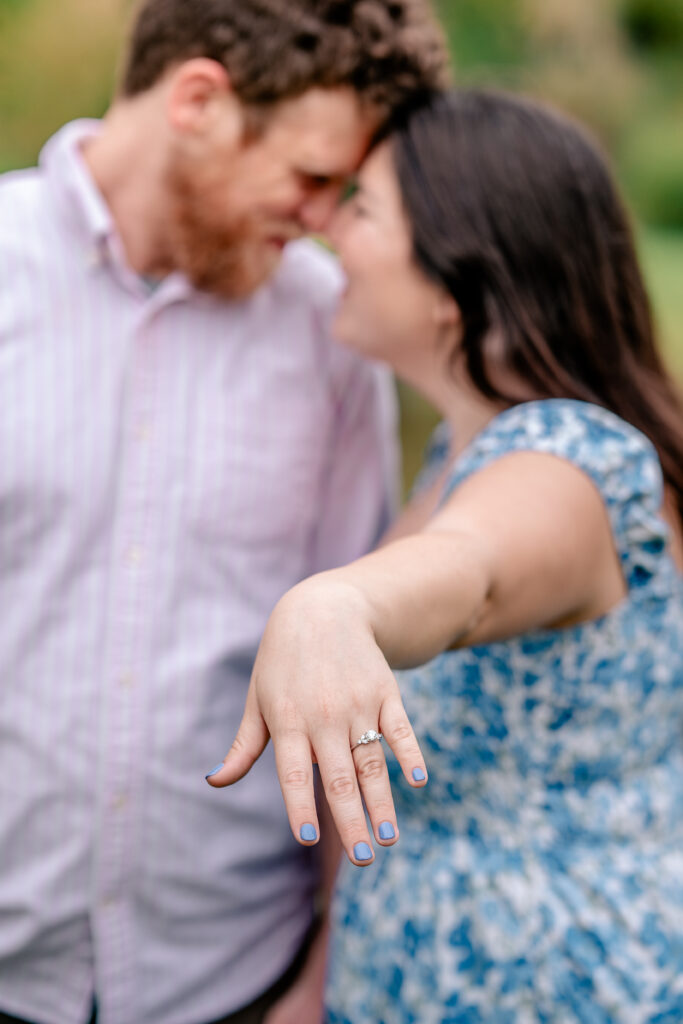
{"type": "Point", "coordinates": [390, 51]}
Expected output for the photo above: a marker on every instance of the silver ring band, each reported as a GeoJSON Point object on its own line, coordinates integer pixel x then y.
{"type": "Point", "coordinates": [371, 736]}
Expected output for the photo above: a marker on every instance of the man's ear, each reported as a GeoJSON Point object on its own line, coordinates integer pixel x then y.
{"type": "Point", "coordinates": [199, 93]}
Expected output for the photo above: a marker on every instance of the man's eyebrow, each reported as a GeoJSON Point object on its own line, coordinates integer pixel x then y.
{"type": "Point", "coordinates": [315, 175]}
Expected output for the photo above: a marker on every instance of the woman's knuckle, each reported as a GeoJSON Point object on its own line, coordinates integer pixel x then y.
{"type": "Point", "coordinates": [371, 769]}
{"type": "Point", "coordinates": [239, 743]}
{"type": "Point", "coordinates": [399, 732]}
{"type": "Point", "coordinates": [297, 778]}
{"type": "Point", "coordinates": [342, 785]}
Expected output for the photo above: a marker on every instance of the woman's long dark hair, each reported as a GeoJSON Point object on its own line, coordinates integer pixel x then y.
{"type": "Point", "coordinates": [514, 212]}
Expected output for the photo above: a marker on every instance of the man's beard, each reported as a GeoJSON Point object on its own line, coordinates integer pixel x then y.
{"type": "Point", "coordinates": [223, 255]}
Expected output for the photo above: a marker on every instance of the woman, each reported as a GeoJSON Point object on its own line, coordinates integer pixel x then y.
{"type": "Point", "coordinates": [534, 579]}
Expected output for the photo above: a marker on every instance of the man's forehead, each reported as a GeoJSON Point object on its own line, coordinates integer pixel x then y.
{"type": "Point", "coordinates": [326, 126]}
{"type": "Point", "coordinates": [340, 162]}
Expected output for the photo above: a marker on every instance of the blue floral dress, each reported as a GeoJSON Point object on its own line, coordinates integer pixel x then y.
{"type": "Point", "coordinates": [539, 876]}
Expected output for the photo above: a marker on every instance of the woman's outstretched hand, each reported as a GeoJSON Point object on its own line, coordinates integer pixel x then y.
{"type": "Point", "coordinates": [525, 543]}
{"type": "Point", "coordinates": [320, 681]}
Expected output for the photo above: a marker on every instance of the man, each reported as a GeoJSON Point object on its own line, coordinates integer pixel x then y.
{"type": "Point", "coordinates": [179, 444]}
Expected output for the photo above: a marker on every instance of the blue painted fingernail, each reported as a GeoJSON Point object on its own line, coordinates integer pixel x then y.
{"type": "Point", "coordinates": [214, 771]}
{"type": "Point", "coordinates": [362, 851]}
{"type": "Point", "coordinates": [308, 833]}
{"type": "Point", "coordinates": [386, 830]}
{"type": "Point", "coordinates": [418, 775]}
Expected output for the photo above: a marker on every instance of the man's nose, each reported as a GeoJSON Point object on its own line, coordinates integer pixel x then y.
{"type": "Point", "coordinates": [316, 211]}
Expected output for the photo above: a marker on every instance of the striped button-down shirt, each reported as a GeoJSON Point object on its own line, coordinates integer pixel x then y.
{"type": "Point", "coordinates": [170, 464]}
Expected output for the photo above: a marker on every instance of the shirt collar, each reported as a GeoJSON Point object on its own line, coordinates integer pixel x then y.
{"type": "Point", "coordinates": [62, 161]}
{"type": "Point", "coordinates": [83, 205]}
{"type": "Point", "coordinates": [85, 208]}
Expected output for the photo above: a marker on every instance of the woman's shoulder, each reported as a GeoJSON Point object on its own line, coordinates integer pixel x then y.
{"type": "Point", "coordinates": [564, 421]}
{"type": "Point", "coordinates": [611, 450]}
{"type": "Point", "coordinates": [621, 462]}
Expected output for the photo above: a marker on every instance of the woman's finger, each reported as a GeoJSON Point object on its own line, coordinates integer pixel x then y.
{"type": "Point", "coordinates": [340, 781]}
{"type": "Point", "coordinates": [373, 777]}
{"type": "Point", "coordinates": [295, 771]}
{"type": "Point", "coordinates": [248, 745]}
{"type": "Point", "coordinates": [398, 732]}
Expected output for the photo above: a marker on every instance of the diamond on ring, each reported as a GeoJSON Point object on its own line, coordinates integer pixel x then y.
{"type": "Point", "coordinates": [371, 736]}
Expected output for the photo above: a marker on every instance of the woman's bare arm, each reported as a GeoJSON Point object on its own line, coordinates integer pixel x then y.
{"type": "Point", "coordinates": [524, 543]}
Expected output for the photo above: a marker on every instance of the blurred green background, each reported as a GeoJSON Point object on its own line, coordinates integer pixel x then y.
{"type": "Point", "coordinates": [617, 64]}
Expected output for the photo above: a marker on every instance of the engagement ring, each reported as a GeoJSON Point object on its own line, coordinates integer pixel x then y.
{"type": "Point", "coordinates": [368, 737]}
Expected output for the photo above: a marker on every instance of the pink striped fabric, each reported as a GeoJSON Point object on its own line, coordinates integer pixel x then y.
{"type": "Point", "coordinates": [169, 465]}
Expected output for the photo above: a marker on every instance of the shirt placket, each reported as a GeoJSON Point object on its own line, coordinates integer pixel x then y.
{"type": "Point", "coordinates": [126, 687]}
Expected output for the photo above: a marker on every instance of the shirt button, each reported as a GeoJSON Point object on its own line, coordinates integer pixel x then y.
{"type": "Point", "coordinates": [134, 556]}
{"type": "Point", "coordinates": [142, 433]}
{"type": "Point", "coordinates": [126, 681]}
{"type": "Point", "coordinates": [94, 258]}
{"type": "Point", "coordinates": [119, 803]}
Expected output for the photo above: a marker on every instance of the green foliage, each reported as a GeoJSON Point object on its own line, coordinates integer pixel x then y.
{"type": "Point", "coordinates": [9, 9]}
{"type": "Point", "coordinates": [654, 25]}
{"type": "Point", "coordinates": [10, 6]}
{"type": "Point", "coordinates": [577, 55]}
{"type": "Point", "coordinates": [488, 35]}
{"type": "Point", "coordinates": [662, 258]}
{"type": "Point", "coordinates": [57, 62]}
{"type": "Point", "coordinates": [651, 167]}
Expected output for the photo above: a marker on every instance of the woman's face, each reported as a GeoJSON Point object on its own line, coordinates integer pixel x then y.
{"type": "Point", "coordinates": [390, 310]}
